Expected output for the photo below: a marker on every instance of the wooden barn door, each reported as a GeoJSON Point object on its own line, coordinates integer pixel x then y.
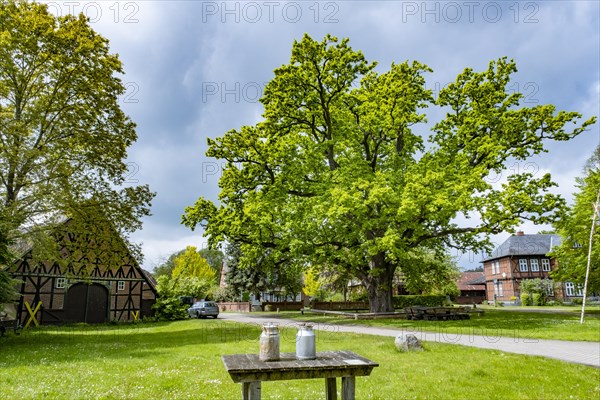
{"type": "Point", "coordinates": [86, 303]}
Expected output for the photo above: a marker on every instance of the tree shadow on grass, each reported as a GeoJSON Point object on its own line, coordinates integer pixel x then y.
{"type": "Point", "coordinates": [66, 344]}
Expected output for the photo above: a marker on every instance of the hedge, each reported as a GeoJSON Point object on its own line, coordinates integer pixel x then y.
{"type": "Point", "coordinates": [418, 300]}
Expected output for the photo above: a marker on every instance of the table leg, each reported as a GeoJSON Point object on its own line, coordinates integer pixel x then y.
{"type": "Point", "coordinates": [251, 390]}
{"type": "Point", "coordinates": [330, 389]}
{"type": "Point", "coordinates": [348, 388]}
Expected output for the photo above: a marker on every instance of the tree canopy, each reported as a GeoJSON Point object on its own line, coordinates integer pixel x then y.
{"type": "Point", "coordinates": [190, 264]}
{"type": "Point", "coordinates": [338, 173]}
{"type": "Point", "coordinates": [8, 292]}
{"type": "Point", "coordinates": [63, 135]}
{"type": "Point", "coordinates": [428, 273]}
{"type": "Point", "coordinates": [259, 274]}
{"type": "Point", "coordinates": [574, 227]}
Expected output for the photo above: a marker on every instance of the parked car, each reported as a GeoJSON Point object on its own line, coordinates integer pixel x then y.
{"type": "Point", "coordinates": [203, 309]}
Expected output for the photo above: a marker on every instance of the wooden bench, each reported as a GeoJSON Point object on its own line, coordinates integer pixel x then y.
{"type": "Point", "coordinates": [436, 313]}
{"type": "Point", "coordinates": [250, 371]}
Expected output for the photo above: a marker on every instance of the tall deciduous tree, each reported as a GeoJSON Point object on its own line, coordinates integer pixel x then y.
{"type": "Point", "coordinates": [574, 228]}
{"type": "Point", "coordinates": [166, 267]}
{"type": "Point", "coordinates": [429, 273]}
{"type": "Point", "coordinates": [8, 292]}
{"type": "Point", "coordinates": [337, 172]}
{"type": "Point", "coordinates": [190, 264]}
{"type": "Point", "coordinates": [214, 258]}
{"type": "Point", "coordinates": [63, 135]}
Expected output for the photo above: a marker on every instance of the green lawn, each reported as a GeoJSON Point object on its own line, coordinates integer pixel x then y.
{"type": "Point", "coordinates": [495, 322]}
{"type": "Point", "coordinates": [181, 360]}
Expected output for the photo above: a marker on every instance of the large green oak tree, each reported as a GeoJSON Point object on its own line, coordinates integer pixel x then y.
{"type": "Point", "coordinates": [341, 172]}
{"type": "Point", "coordinates": [63, 134]}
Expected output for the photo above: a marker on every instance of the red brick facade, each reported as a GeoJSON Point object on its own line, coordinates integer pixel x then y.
{"type": "Point", "coordinates": [521, 257]}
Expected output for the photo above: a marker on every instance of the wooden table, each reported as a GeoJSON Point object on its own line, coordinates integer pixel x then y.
{"type": "Point", "coordinates": [248, 370]}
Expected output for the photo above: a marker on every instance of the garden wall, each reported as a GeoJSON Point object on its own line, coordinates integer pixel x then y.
{"type": "Point", "coordinates": [339, 305]}
{"type": "Point", "coordinates": [234, 306]}
{"type": "Point", "coordinates": [282, 306]}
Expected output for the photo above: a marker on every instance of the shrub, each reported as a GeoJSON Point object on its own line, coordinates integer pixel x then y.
{"type": "Point", "coordinates": [578, 301]}
{"type": "Point", "coordinates": [269, 307]}
{"type": "Point", "coordinates": [220, 294]}
{"type": "Point", "coordinates": [174, 293]}
{"type": "Point", "coordinates": [525, 299]}
{"type": "Point", "coordinates": [358, 294]}
{"type": "Point", "coordinates": [538, 299]}
{"type": "Point", "coordinates": [418, 300]}
{"type": "Point", "coordinates": [170, 308]}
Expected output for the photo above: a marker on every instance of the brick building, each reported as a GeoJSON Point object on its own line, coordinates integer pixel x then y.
{"type": "Point", "coordinates": [522, 257]}
{"type": "Point", "coordinates": [472, 288]}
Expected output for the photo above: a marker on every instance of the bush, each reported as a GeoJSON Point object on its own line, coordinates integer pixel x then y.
{"type": "Point", "coordinates": [269, 307]}
{"type": "Point", "coordinates": [418, 300]}
{"type": "Point", "coordinates": [538, 299]}
{"type": "Point", "coordinates": [170, 309]}
{"type": "Point", "coordinates": [577, 301]}
{"type": "Point", "coordinates": [525, 299]}
{"type": "Point", "coordinates": [358, 294]}
{"type": "Point", "coordinates": [221, 294]}
{"type": "Point", "coordinates": [173, 293]}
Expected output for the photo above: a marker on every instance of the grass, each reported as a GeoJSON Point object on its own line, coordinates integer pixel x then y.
{"type": "Point", "coordinates": [495, 322]}
{"type": "Point", "coordinates": [575, 309]}
{"type": "Point", "coordinates": [181, 360]}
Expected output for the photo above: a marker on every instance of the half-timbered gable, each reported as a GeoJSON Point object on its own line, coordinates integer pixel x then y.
{"type": "Point", "coordinates": [97, 280]}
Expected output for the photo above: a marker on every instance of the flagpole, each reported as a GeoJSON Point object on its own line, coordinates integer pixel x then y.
{"type": "Point", "coordinates": [589, 260]}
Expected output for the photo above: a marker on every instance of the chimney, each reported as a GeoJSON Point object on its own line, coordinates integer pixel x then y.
{"type": "Point", "coordinates": [520, 233]}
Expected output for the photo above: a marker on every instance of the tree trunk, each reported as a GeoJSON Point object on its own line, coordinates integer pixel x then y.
{"type": "Point", "coordinates": [379, 284]}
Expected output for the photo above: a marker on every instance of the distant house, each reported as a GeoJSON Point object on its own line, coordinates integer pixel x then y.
{"type": "Point", "coordinates": [523, 257]}
{"type": "Point", "coordinates": [95, 289]}
{"type": "Point", "coordinates": [472, 288]}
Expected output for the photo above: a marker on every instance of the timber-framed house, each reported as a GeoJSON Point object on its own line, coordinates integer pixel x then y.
{"type": "Point", "coordinates": [100, 281]}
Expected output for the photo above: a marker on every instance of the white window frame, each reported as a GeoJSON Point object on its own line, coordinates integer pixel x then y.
{"type": "Point", "coordinates": [535, 265]}
{"type": "Point", "coordinates": [546, 265]}
{"type": "Point", "coordinates": [498, 290]}
{"type": "Point", "coordinates": [523, 265]}
{"type": "Point", "coordinates": [569, 288]}
{"type": "Point", "coordinates": [60, 283]}
{"type": "Point", "coordinates": [120, 285]}
{"type": "Point", "coordinates": [573, 290]}
{"type": "Point", "coordinates": [495, 267]}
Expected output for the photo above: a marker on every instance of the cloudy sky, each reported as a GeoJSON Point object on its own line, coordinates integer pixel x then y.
{"type": "Point", "coordinates": [195, 69]}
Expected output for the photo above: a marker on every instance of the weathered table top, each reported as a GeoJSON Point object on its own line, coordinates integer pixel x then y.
{"type": "Point", "coordinates": [328, 364]}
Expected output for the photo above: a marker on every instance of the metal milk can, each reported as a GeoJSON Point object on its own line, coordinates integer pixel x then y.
{"type": "Point", "coordinates": [306, 348]}
{"type": "Point", "coordinates": [269, 343]}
